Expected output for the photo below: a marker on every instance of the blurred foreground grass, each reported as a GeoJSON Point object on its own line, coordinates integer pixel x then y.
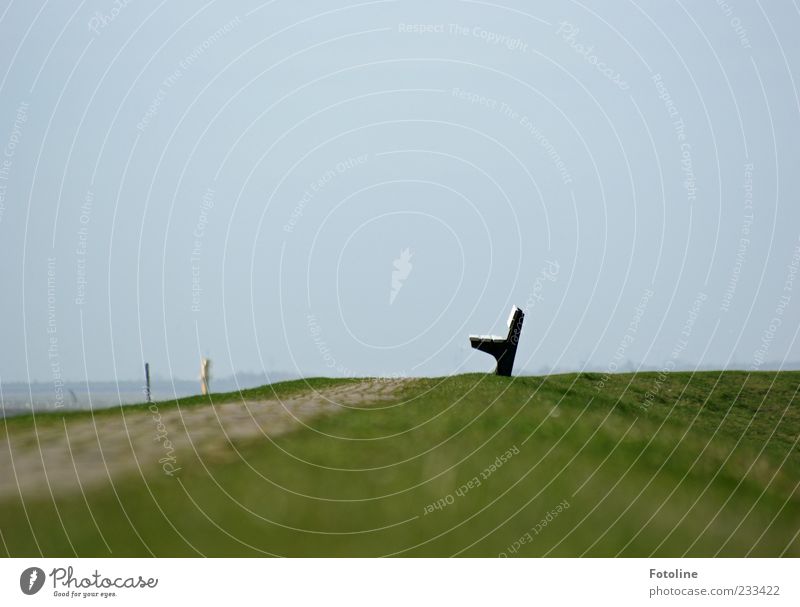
{"type": "Point", "coordinates": [470, 465]}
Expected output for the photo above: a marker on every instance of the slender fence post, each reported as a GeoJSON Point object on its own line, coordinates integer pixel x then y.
{"type": "Point", "coordinates": [147, 381]}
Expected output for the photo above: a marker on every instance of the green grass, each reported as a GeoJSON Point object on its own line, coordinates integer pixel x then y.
{"type": "Point", "coordinates": [710, 467]}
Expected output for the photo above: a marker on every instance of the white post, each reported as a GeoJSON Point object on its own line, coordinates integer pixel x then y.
{"type": "Point", "coordinates": [205, 375]}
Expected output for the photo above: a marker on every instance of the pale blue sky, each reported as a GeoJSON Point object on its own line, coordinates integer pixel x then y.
{"type": "Point", "coordinates": [312, 142]}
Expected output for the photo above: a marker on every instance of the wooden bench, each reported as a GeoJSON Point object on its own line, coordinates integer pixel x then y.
{"type": "Point", "coordinates": [504, 349]}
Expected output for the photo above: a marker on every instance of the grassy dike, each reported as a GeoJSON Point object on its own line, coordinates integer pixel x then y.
{"type": "Point", "coordinates": [473, 465]}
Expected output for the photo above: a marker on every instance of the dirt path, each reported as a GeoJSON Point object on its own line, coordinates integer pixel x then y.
{"type": "Point", "coordinates": [68, 454]}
